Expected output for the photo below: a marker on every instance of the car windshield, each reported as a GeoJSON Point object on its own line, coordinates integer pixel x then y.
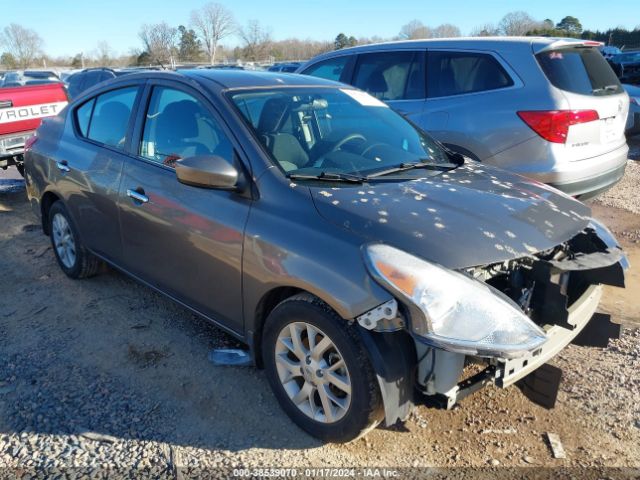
{"type": "Point", "coordinates": [627, 57]}
{"type": "Point", "coordinates": [314, 131]}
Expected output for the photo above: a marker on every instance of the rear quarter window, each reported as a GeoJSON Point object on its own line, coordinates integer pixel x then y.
{"type": "Point", "coordinates": [83, 116]}
{"type": "Point", "coordinates": [457, 73]}
{"type": "Point", "coordinates": [581, 70]}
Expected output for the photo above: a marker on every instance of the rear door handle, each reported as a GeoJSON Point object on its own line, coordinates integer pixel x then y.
{"type": "Point", "coordinates": [137, 195]}
{"type": "Point", "coordinates": [63, 166]}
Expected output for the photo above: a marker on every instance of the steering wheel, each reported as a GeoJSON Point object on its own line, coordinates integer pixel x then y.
{"type": "Point", "coordinates": [371, 147]}
{"type": "Point", "coordinates": [347, 139]}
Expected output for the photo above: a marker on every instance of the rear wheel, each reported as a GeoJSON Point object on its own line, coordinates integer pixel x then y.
{"type": "Point", "coordinates": [319, 370]}
{"type": "Point", "coordinates": [74, 259]}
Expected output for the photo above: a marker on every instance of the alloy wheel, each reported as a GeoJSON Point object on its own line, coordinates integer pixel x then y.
{"type": "Point", "coordinates": [312, 372]}
{"type": "Point", "coordinates": [63, 240]}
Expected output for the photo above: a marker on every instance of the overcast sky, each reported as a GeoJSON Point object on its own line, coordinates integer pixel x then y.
{"type": "Point", "coordinates": [71, 26]}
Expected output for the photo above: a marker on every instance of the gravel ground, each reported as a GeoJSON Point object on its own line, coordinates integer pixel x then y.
{"type": "Point", "coordinates": [104, 377]}
{"type": "Point", "coordinates": [625, 195]}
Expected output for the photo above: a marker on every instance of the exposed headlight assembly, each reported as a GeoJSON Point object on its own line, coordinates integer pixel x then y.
{"type": "Point", "coordinates": [452, 311]}
{"type": "Point", "coordinates": [609, 240]}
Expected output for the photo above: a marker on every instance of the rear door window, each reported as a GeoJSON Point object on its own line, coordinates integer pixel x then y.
{"type": "Point", "coordinates": [330, 69]}
{"type": "Point", "coordinates": [457, 73]}
{"type": "Point", "coordinates": [110, 117]}
{"type": "Point", "coordinates": [581, 70]}
{"type": "Point", "coordinates": [391, 75]}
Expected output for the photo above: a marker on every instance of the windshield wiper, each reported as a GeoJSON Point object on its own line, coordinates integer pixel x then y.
{"type": "Point", "coordinates": [403, 167]}
{"type": "Point", "coordinates": [606, 88]}
{"type": "Point", "coordinates": [329, 177]}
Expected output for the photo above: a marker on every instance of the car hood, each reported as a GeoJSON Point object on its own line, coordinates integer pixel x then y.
{"type": "Point", "coordinates": [473, 215]}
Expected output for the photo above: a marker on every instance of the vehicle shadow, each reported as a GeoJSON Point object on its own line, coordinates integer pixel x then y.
{"type": "Point", "coordinates": [108, 359]}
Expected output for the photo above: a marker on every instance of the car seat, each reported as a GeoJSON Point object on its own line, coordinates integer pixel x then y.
{"type": "Point", "coordinates": [177, 129]}
{"type": "Point", "coordinates": [284, 146]}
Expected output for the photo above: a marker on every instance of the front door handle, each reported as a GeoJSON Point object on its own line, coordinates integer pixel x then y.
{"type": "Point", "coordinates": [63, 166]}
{"type": "Point", "coordinates": [137, 195]}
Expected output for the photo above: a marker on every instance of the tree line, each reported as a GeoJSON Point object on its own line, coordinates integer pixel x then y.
{"type": "Point", "coordinates": [201, 40]}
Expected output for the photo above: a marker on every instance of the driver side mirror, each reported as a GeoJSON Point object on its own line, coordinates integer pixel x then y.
{"type": "Point", "coordinates": [207, 171]}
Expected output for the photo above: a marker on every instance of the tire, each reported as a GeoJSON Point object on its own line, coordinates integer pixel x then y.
{"type": "Point", "coordinates": [351, 415]}
{"type": "Point", "coordinates": [20, 167]}
{"type": "Point", "coordinates": [65, 240]}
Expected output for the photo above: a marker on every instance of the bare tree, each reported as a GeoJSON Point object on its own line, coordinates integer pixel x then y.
{"type": "Point", "coordinates": [446, 30]}
{"type": "Point", "coordinates": [296, 49]}
{"type": "Point", "coordinates": [159, 41]}
{"type": "Point", "coordinates": [486, 30]}
{"type": "Point", "coordinates": [415, 29]}
{"type": "Point", "coordinates": [256, 39]}
{"type": "Point", "coordinates": [212, 23]}
{"type": "Point", "coordinates": [23, 44]}
{"type": "Point", "coordinates": [373, 39]}
{"type": "Point", "coordinates": [517, 23]}
{"type": "Point", "coordinates": [103, 54]}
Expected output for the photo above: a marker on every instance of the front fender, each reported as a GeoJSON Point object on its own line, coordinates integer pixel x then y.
{"type": "Point", "coordinates": [288, 244]}
{"type": "Point", "coordinates": [393, 356]}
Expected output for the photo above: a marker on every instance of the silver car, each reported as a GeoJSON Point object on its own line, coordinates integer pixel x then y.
{"type": "Point", "coordinates": [550, 109]}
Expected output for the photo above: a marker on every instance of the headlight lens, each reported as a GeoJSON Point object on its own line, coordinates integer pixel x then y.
{"type": "Point", "coordinates": [451, 310]}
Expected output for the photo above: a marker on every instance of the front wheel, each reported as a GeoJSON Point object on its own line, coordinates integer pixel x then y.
{"type": "Point", "coordinates": [319, 370]}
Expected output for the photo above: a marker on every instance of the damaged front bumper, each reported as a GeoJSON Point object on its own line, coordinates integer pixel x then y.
{"type": "Point", "coordinates": [560, 290]}
{"type": "Point", "coordinates": [580, 313]}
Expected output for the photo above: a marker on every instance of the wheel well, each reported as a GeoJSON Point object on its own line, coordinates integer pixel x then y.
{"type": "Point", "coordinates": [48, 199]}
{"type": "Point", "coordinates": [267, 303]}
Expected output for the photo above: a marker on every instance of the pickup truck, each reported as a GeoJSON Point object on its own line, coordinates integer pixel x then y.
{"type": "Point", "coordinates": [21, 112]}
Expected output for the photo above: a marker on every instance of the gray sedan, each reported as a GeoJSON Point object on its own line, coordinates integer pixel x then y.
{"type": "Point", "coordinates": [363, 264]}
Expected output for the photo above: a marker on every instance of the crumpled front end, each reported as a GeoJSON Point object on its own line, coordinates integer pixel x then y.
{"type": "Point", "coordinates": [559, 290]}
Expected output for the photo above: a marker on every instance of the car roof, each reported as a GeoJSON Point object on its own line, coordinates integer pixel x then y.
{"type": "Point", "coordinates": [229, 79]}
{"type": "Point", "coordinates": [536, 43]}
{"type": "Point", "coordinates": [218, 79]}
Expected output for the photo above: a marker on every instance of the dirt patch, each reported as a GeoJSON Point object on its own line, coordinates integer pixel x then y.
{"type": "Point", "coordinates": [623, 304]}
{"type": "Point", "coordinates": [144, 358]}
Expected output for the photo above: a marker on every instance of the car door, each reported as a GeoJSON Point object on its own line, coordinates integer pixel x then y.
{"type": "Point", "coordinates": [470, 97]}
{"type": "Point", "coordinates": [89, 164]}
{"type": "Point", "coordinates": [184, 240]}
{"type": "Point", "coordinates": [395, 77]}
